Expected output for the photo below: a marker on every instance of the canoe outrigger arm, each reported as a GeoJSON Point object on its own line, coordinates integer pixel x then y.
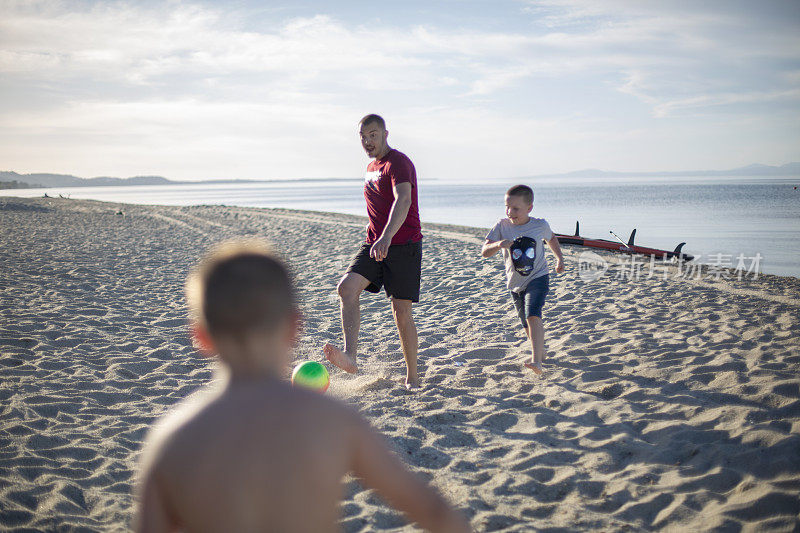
{"type": "Point", "coordinates": [625, 247]}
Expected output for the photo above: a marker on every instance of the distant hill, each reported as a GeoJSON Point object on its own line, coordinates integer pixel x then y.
{"type": "Point", "coordinates": [65, 180]}
{"type": "Point", "coordinates": [789, 169]}
{"type": "Point", "coordinates": [9, 180]}
{"type": "Point", "coordinates": [14, 184]}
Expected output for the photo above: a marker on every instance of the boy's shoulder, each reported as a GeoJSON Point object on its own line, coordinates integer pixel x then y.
{"type": "Point", "coordinates": [532, 224]}
{"type": "Point", "coordinates": [165, 431]}
{"type": "Point", "coordinates": [200, 417]}
{"type": "Point", "coordinates": [504, 223]}
{"type": "Point", "coordinates": [538, 222]}
{"type": "Point", "coordinates": [253, 432]}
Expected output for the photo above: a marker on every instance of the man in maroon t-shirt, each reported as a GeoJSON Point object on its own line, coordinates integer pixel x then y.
{"type": "Point", "coordinates": [392, 254]}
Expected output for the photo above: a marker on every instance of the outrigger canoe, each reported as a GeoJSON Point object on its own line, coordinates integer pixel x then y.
{"type": "Point", "coordinates": [620, 246]}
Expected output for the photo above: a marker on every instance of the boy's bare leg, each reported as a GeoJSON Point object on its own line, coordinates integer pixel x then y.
{"type": "Point", "coordinates": [528, 334]}
{"type": "Point", "coordinates": [535, 331]}
{"type": "Point", "coordinates": [349, 289]}
{"type": "Point", "coordinates": [401, 309]}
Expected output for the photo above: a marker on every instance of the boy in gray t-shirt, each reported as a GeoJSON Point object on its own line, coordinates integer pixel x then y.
{"type": "Point", "coordinates": [520, 237]}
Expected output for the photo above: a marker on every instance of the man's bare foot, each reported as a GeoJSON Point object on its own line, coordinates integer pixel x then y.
{"type": "Point", "coordinates": [412, 384]}
{"type": "Point", "coordinates": [536, 367]}
{"type": "Point", "coordinates": [340, 359]}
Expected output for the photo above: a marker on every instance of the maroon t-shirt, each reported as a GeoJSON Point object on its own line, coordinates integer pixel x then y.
{"type": "Point", "coordinates": [382, 175]}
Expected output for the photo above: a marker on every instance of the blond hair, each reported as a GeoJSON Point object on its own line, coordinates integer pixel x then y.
{"type": "Point", "coordinates": [240, 287]}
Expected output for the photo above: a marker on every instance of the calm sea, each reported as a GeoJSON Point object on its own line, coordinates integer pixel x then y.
{"type": "Point", "coordinates": [728, 216]}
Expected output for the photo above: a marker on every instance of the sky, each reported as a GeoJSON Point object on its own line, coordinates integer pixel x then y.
{"type": "Point", "coordinates": [471, 90]}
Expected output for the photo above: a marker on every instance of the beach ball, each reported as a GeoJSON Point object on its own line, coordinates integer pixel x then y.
{"type": "Point", "coordinates": [312, 375]}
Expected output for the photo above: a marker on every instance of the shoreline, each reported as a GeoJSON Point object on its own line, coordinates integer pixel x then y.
{"type": "Point", "coordinates": [665, 404]}
{"type": "Point", "coordinates": [718, 261]}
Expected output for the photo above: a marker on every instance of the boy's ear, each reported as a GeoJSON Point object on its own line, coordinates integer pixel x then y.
{"type": "Point", "coordinates": [530, 207]}
{"type": "Point", "coordinates": [202, 341]}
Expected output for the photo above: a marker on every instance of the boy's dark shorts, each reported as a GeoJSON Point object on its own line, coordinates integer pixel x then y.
{"type": "Point", "coordinates": [399, 273]}
{"type": "Point", "coordinates": [530, 301]}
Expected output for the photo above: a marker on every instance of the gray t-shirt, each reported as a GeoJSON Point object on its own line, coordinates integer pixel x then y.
{"type": "Point", "coordinates": [537, 229]}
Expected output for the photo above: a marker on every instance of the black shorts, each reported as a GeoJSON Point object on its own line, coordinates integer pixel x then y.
{"type": "Point", "coordinates": [399, 273]}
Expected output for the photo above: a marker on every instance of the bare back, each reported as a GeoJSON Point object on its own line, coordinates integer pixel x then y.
{"type": "Point", "coordinates": [259, 457]}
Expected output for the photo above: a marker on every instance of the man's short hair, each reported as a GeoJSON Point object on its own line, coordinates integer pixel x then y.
{"type": "Point", "coordinates": [240, 287]}
{"type": "Point", "coordinates": [523, 191]}
{"type": "Point", "coordinates": [372, 119]}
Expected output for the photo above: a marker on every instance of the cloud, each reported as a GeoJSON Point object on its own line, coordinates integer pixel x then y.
{"type": "Point", "coordinates": [142, 46]}
{"type": "Point", "coordinates": [667, 108]}
{"type": "Point", "coordinates": [681, 55]}
{"type": "Point", "coordinates": [184, 49]}
{"type": "Point", "coordinates": [195, 82]}
{"type": "Point", "coordinates": [193, 139]}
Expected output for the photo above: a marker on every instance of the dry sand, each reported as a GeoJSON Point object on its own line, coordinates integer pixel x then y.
{"type": "Point", "coordinates": [668, 405]}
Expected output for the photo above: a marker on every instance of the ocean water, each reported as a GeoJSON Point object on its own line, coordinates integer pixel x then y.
{"type": "Point", "coordinates": [728, 216]}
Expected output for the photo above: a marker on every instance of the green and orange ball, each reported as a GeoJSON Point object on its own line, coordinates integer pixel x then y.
{"type": "Point", "coordinates": [312, 375]}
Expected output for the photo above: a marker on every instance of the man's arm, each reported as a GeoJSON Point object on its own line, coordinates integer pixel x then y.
{"type": "Point", "coordinates": [556, 248]}
{"type": "Point", "coordinates": [398, 214]}
{"type": "Point", "coordinates": [383, 471]}
{"type": "Point", "coordinates": [490, 248]}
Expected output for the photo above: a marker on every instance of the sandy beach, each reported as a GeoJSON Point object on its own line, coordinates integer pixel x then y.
{"type": "Point", "coordinates": [667, 404]}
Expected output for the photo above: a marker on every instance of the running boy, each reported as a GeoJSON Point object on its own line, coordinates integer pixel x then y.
{"type": "Point", "coordinates": [520, 237]}
{"type": "Point", "coordinates": [257, 454]}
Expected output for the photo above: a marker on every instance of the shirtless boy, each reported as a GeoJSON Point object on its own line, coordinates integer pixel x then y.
{"type": "Point", "coordinates": [256, 454]}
